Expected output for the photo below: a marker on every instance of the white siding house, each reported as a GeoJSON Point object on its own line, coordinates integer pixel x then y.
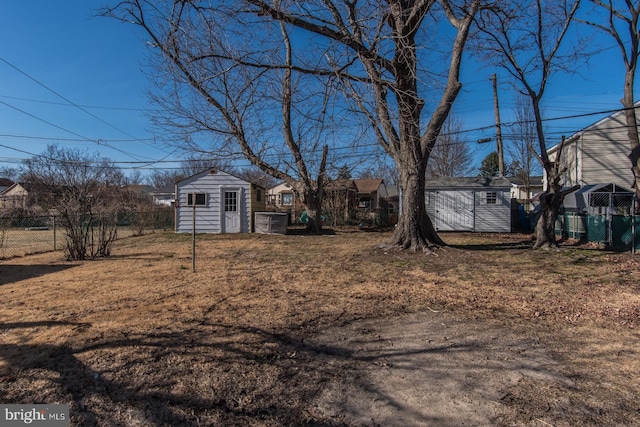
{"type": "Point", "coordinates": [598, 154]}
{"type": "Point", "coordinates": [469, 204]}
{"type": "Point", "coordinates": [223, 203]}
{"type": "Point", "coordinates": [13, 196]}
{"type": "Point", "coordinates": [281, 196]}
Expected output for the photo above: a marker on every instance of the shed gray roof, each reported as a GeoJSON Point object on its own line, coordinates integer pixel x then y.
{"type": "Point", "coordinates": [478, 182]}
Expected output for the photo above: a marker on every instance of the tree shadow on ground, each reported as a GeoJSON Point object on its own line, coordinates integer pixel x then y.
{"type": "Point", "coordinates": [519, 244]}
{"type": "Point", "coordinates": [204, 373]}
{"type": "Point", "coordinates": [193, 377]}
{"type": "Point", "coordinates": [11, 273]}
{"type": "Point", "coordinates": [301, 231]}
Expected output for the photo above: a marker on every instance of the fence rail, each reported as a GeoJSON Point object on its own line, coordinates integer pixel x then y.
{"type": "Point", "coordinates": [21, 236]}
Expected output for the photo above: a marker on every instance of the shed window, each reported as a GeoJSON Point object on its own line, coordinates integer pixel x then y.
{"type": "Point", "coordinates": [200, 199]}
{"type": "Point", "coordinates": [492, 198]}
{"type": "Point", "coordinates": [230, 201]}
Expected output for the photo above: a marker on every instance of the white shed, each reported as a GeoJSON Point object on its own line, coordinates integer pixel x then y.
{"type": "Point", "coordinates": [469, 204]}
{"type": "Point", "coordinates": [221, 202]}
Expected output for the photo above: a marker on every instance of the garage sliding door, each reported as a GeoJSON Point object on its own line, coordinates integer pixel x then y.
{"type": "Point", "coordinates": [454, 210]}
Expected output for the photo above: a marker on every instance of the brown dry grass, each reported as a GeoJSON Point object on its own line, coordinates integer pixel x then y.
{"type": "Point", "coordinates": [138, 339]}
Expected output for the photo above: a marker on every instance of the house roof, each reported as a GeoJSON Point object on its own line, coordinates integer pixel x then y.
{"type": "Point", "coordinates": [214, 171]}
{"type": "Point", "coordinates": [5, 183]}
{"type": "Point", "coordinates": [392, 191]}
{"type": "Point", "coordinates": [142, 188]}
{"type": "Point", "coordinates": [167, 189]}
{"type": "Point", "coordinates": [368, 185]}
{"type": "Point", "coordinates": [535, 181]}
{"type": "Point", "coordinates": [470, 182]}
{"type": "Point", "coordinates": [283, 187]}
{"type": "Point", "coordinates": [340, 184]}
{"type": "Point", "coordinates": [12, 187]}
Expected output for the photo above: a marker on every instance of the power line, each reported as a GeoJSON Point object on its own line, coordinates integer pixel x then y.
{"type": "Point", "coordinates": [71, 103]}
{"type": "Point", "coordinates": [53, 138]}
{"type": "Point", "coordinates": [83, 138]}
{"type": "Point", "coordinates": [97, 107]}
{"type": "Point", "coordinates": [237, 156]}
{"type": "Point", "coordinates": [68, 101]}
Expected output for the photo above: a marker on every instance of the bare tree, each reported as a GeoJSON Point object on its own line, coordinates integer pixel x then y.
{"type": "Point", "coordinates": [134, 178]}
{"type": "Point", "coordinates": [160, 179]}
{"type": "Point", "coordinates": [9, 173]}
{"type": "Point", "coordinates": [450, 156]}
{"type": "Point", "coordinates": [257, 176]}
{"type": "Point", "coordinates": [227, 72]}
{"type": "Point", "coordinates": [374, 51]}
{"type": "Point", "coordinates": [522, 143]}
{"type": "Point", "coordinates": [202, 162]}
{"type": "Point", "coordinates": [85, 190]}
{"type": "Point", "coordinates": [525, 38]}
{"type": "Point", "coordinates": [619, 20]}
{"type": "Point", "coordinates": [188, 167]}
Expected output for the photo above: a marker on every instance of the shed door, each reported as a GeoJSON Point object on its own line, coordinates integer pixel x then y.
{"type": "Point", "coordinates": [454, 210]}
{"type": "Point", "coordinates": [231, 211]}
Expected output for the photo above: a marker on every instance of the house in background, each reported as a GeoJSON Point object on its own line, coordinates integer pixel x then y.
{"type": "Point", "coordinates": [340, 201]}
{"type": "Point", "coordinates": [344, 200]}
{"type": "Point", "coordinates": [369, 193]}
{"type": "Point", "coordinates": [12, 195]}
{"type": "Point", "coordinates": [479, 204]}
{"type": "Point", "coordinates": [165, 196]}
{"type": "Point", "coordinates": [598, 154]}
{"type": "Point", "coordinates": [524, 193]}
{"type": "Point", "coordinates": [281, 198]}
{"type": "Point", "coordinates": [140, 188]}
{"type": "Point", "coordinates": [392, 201]}
{"type": "Point", "coordinates": [217, 202]}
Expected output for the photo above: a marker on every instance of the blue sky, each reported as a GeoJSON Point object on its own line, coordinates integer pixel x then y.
{"type": "Point", "coordinates": [48, 49]}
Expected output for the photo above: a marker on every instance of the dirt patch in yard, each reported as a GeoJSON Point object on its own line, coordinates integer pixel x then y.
{"type": "Point", "coordinates": [326, 330]}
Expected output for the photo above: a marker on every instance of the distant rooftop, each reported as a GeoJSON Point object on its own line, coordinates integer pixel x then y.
{"type": "Point", "coordinates": [468, 182]}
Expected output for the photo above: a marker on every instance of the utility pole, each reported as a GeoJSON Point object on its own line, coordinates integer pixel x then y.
{"type": "Point", "coordinates": [496, 109]}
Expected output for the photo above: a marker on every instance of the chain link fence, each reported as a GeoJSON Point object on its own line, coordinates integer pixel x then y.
{"type": "Point", "coordinates": [609, 220]}
{"type": "Point", "coordinates": [21, 236]}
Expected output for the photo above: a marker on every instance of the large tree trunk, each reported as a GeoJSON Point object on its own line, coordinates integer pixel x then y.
{"type": "Point", "coordinates": [545, 227]}
{"type": "Point", "coordinates": [414, 229]}
{"type": "Point", "coordinates": [550, 202]}
{"type": "Point", "coordinates": [313, 206]}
